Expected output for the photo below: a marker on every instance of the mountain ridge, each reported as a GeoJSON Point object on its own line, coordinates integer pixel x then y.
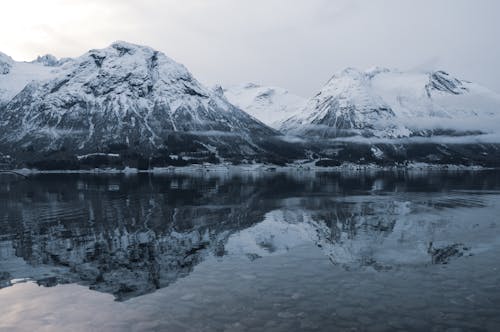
{"type": "Point", "coordinates": [130, 96]}
{"type": "Point", "coordinates": [129, 105]}
{"type": "Point", "coordinates": [393, 104]}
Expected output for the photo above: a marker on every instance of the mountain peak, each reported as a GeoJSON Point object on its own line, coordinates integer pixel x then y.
{"type": "Point", "coordinates": [47, 60]}
{"type": "Point", "coordinates": [122, 48]}
{"type": "Point", "coordinates": [5, 58]}
{"type": "Point", "coordinates": [124, 45]}
{"type": "Point", "coordinates": [129, 96]}
{"type": "Point", "coordinates": [349, 72]}
{"type": "Point", "coordinates": [390, 103]}
{"type": "Point", "coordinates": [345, 106]}
{"type": "Point", "coordinates": [357, 74]}
{"type": "Point", "coordinates": [128, 58]}
{"type": "Point", "coordinates": [5, 63]}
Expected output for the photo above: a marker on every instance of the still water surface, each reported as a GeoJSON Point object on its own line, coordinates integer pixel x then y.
{"type": "Point", "coordinates": [251, 252]}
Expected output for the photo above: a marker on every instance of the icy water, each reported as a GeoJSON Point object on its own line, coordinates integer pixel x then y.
{"type": "Point", "coordinates": [251, 252]}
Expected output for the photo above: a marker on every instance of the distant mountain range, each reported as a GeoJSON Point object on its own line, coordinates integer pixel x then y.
{"type": "Point", "coordinates": [270, 105]}
{"type": "Point", "coordinates": [130, 105]}
{"type": "Point", "coordinates": [393, 104]}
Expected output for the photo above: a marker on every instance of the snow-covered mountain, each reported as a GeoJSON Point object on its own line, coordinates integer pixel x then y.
{"type": "Point", "coordinates": [124, 95]}
{"type": "Point", "coordinates": [14, 76]}
{"type": "Point", "coordinates": [392, 104]}
{"type": "Point", "coordinates": [130, 105]}
{"type": "Point", "coordinates": [270, 105]}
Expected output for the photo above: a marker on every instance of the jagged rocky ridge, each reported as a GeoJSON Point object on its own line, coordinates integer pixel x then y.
{"type": "Point", "coordinates": [391, 117]}
{"type": "Point", "coordinates": [385, 103]}
{"type": "Point", "coordinates": [129, 105]}
{"type": "Point", "coordinates": [129, 100]}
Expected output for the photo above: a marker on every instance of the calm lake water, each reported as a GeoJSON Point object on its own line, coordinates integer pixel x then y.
{"type": "Point", "coordinates": [269, 251]}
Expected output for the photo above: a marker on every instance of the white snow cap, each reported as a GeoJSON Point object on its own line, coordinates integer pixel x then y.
{"type": "Point", "coordinates": [389, 103]}
{"type": "Point", "coordinates": [271, 105]}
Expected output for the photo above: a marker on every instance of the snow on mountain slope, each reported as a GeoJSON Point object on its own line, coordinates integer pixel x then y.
{"type": "Point", "coordinates": [125, 95]}
{"type": "Point", "coordinates": [270, 105]}
{"type": "Point", "coordinates": [389, 103]}
{"type": "Point", "coordinates": [14, 76]}
{"type": "Point", "coordinates": [437, 100]}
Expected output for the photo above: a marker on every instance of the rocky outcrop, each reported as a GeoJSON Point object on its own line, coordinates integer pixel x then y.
{"type": "Point", "coordinates": [131, 99]}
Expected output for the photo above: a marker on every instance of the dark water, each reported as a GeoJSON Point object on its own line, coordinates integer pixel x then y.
{"type": "Point", "coordinates": [251, 252]}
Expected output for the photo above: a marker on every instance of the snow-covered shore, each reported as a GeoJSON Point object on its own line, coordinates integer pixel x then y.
{"type": "Point", "coordinates": [228, 168]}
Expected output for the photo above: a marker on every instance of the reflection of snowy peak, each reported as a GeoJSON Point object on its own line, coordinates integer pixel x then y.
{"type": "Point", "coordinates": [390, 103]}
{"type": "Point", "coordinates": [132, 235]}
{"type": "Point", "coordinates": [280, 231]}
{"type": "Point", "coordinates": [354, 233]}
{"type": "Point", "coordinates": [120, 263]}
{"type": "Point", "coordinates": [126, 247]}
{"type": "Point", "coordinates": [349, 234]}
{"type": "Point", "coordinates": [270, 105]}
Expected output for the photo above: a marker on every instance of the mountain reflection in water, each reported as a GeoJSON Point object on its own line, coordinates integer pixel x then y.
{"type": "Point", "coordinates": [131, 235]}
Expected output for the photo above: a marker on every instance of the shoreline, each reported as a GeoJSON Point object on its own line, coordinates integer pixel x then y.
{"type": "Point", "coordinates": [225, 168]}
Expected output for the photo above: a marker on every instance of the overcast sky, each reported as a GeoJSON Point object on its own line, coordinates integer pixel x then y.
{"type": "Point", "coordinates": [296, 44]}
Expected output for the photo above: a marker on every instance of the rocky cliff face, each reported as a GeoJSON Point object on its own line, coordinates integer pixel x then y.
{"type": "Point", "coordinates": [345, 106]}
{"type": "Point", "coordinates": [126, 96]}
{"type": "Point", "coordinates": [130, 105]}
{"type": "Point", "coordinates": [387, 103]}
{"type": "Point", "coordinates": [48, 60]}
